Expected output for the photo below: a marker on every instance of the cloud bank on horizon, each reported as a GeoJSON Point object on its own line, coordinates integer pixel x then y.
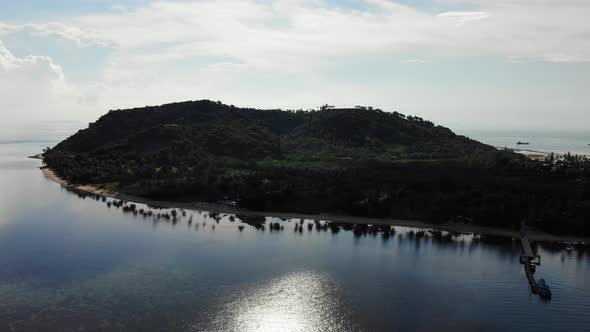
{"type": "Point", "coordinates": [462, 63]}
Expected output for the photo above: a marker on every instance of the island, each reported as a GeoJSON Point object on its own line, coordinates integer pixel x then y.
{"type": "Point", "coordinates": [358, 161]}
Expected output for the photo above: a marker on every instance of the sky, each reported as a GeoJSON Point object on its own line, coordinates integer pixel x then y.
{"type": "Point", "coordinates": [465, 64]}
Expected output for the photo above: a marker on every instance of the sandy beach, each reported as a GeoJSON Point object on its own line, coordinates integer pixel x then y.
{"type": "Point", "coordinates": [219, 208]}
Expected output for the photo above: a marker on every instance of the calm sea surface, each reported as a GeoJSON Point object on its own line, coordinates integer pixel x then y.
{"type": "Point", "coordinates": [544, 141]}
{"type": "Point", "coordinates": [73, 264]}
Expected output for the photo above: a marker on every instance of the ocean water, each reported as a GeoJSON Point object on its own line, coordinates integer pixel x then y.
{"type": "Point", "coordinates": [561, 142]}
{"type": "Point", "coordinates": [71, 263]}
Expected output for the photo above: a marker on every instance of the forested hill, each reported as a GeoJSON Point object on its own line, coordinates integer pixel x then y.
{"type": "Point", "coordinates": [359, 161]}
{"type": "Point", "coordinates": [206, 129]}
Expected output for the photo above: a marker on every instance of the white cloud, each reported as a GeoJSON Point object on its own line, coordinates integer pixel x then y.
{"type": "Point", "coordinates": [303, 33]}
{"type": "Point", "coordinates": [276, 53]}
{"type": "Point", "coordinates": [6, 29]}
{"type": "Point", "coordinates": [464, 17]}
{"type": "Point", "coordinates": [119, 8]}
{"type": "Point", "coordinates": [83, 37]}
{"type": "Point", "coordinates": [248, 29]}
{"type": "Point", "coordinates": [30, 68]}
{"type": "Point", "coordinates": [413, 61]}
{"type": "Point", "coordinates": [34, 89]}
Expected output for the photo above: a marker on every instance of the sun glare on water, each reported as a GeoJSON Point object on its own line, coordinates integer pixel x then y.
{"type": "Point", "coordinates": [303, 301]}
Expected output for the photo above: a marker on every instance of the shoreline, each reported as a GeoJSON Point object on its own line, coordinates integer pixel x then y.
{"type": "Point", "coordinates": [219, 208]}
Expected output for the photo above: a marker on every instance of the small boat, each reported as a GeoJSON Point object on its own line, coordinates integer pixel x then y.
{"type": "Point", "coordinates": [522, 143]}
{"type": "Point", "coordinates": [544, 289]}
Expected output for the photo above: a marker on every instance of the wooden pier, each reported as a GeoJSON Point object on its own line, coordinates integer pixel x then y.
{"type": "Point", "coordinates": [528, 251]}
{"type": "Point", "coordinates": [529, 259]}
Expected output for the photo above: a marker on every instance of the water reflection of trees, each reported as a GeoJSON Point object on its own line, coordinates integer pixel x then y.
{"type": "Point", "coordinates": [576, 250]}
{"type": "Point", "coordinates": [504, 247]}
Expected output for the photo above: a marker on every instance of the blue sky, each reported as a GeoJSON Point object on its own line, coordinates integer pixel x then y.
{"type": "Point", "coordinates": [43, 9]}
{"type": "Point", "coordinates": [466, 64]}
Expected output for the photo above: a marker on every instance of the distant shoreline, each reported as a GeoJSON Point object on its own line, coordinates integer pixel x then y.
{"type": "Point", "coordinates": [219, 208]}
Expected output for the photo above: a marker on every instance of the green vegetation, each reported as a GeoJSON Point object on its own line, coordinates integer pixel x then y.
{"type": "Point", "coordinates": [360, 161]}
{"type": "Point", "coordinates": [111, 186]}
